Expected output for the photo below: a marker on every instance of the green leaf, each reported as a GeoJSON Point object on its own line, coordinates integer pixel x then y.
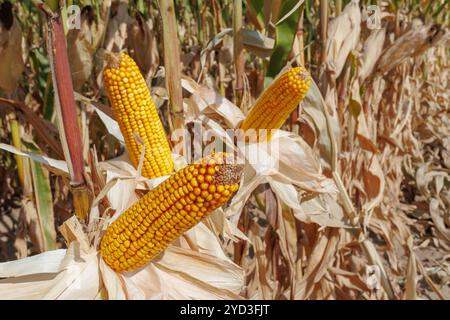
{"type": "Point", "coordinates": [285, 33]}
{"type": "Point", "coordinates": [41, 68]}
{"type": "Point", "coordinates": [52, 4]}
{"type": "Point", "coordinates": [44, 202]}
{"type": "Point", "coordinates": [258, 7]}
{"type": "Point", "coordinates": [49, 100]}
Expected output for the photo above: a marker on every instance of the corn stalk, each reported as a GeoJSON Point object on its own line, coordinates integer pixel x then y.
{"type": "Point", "coordinates": [172, 63]}
{"type": "Point", "coordinates": [238, 51]}
{"type": "Point", "coordinates": [323, 30]}
{"type": "Point", "coordinates": [66, 109]}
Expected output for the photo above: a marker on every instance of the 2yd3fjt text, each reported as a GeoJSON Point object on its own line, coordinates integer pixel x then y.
{"type": "Point", "coordinates": [228, 309]}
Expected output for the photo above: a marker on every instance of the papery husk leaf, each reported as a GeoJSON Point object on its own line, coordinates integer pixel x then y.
{"type": "Point", "coordinates": [164, 283]}
{"type": "Point", "coordinates": [212, 269]}
{"type": "Point", "coordinates": [113, 282]}
{"type": "Point", "coordinates": [325, 121]}
{"type": "Point", "coordinates": [205, 240]}
{"type": "Point", "coordinates": [57, 274]}
{"type": "Point", "coordinates": [208, 101]}
{"type": "Point", "coordinates": [293, 164]}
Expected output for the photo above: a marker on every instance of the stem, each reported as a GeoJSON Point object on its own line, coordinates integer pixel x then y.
{"type": "Point", "coordinates": [20, 160]}
{"type": "Point", "coordinates": [66, 101]}
{"type": "Point", "coordinates": [67, 114]}
{"type": "Point", "coordinates": [338, 7]}
{"type": "Point", "coordinates": [218, 23]}
{"type": "Point", "coordinates": [298, 49]}
{"type": "Point", "coordinates": [300, 36]}
{"type": "Point", "coordinates": [200, 22]}
{"type": "Point", "coordinates": [272, 15]}
{"type": "Point", "coordinates": [238, 51]}
{"type": "Point", "coordinates": [323, 29]}
{"type": "Point", "coordinates": [172, 63]}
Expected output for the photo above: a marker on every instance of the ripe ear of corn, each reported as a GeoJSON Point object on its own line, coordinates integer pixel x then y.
{"type": "Point", "coordinates": [165, 212]}
{"type": "Point", "coordinates": [135, 112]}
{"type": "Point", "coordinates": [277, 102]}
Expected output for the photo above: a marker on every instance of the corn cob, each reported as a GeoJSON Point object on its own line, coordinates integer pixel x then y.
{"type": "Point", "coordinates": [135, 112]}
{"type": "Point", "coordinates": [165, 212]}
{"type": "Point", "coordinates": [274, 106]}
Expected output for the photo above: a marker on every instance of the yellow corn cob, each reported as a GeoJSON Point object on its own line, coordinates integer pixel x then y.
{"type": "Point", "coordinates": [165, 212]}
{"type": "Point", "coordinates": [277, 102]}
{"type": "Point", "coordinates": [135, 112]}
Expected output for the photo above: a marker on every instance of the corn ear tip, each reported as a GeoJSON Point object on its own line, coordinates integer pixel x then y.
{"type": "Point", "coordinates": [302, 73]}
{"type": "Point", "coordinates": [229, 174]}
{"type": "Point", "coordinates": [113, 59]}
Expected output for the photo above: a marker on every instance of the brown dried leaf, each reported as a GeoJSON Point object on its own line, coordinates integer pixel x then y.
{"type": "Point", "coordinates": [374, 183]}
{"type": "Point", "coordinates": [363, 135]}
{"type": "Point", "coordinates": [80, 50]}
{"type": "Point", "coordinates": [11, 65]}
{"type": "Point", "coordinates": [287, 234]}
{"type": "Point", "coordinates": [373, 46]}
{"type": "Point", "coordinates": [142, 45]}
{"type": "Point", "coordinates": [438, 219]}
{"type": "Point", "coordinates": [411, 274]}
{"type": "Point", "coordinates": [117, 32]}
{"type": "Point", "coordinates": [343, 36]}
{"type": "Point", "coordinates": [414, 42]}
{"type": "Point", "coordinates": [323, 254]}
{"type": "Point", "coordinates": [266, 291]}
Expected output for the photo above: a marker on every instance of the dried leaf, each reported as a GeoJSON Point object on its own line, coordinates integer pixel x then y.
{"type": "Point", "coordinates": [10, 49]}
{"type": "Point", "coordinates": [343, 36]}
{"type": "Point", "coordinates": [414, 42]}
{"type": "Point", "coordinates": [142, 45]}
{"type": "Point", "coordinates": [80, 50]}
{"type": "Point", "coordinates": [257, 43]}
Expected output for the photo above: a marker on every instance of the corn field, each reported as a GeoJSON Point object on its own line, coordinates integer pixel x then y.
{"type": "Point", "coordinates": [218, 149]}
